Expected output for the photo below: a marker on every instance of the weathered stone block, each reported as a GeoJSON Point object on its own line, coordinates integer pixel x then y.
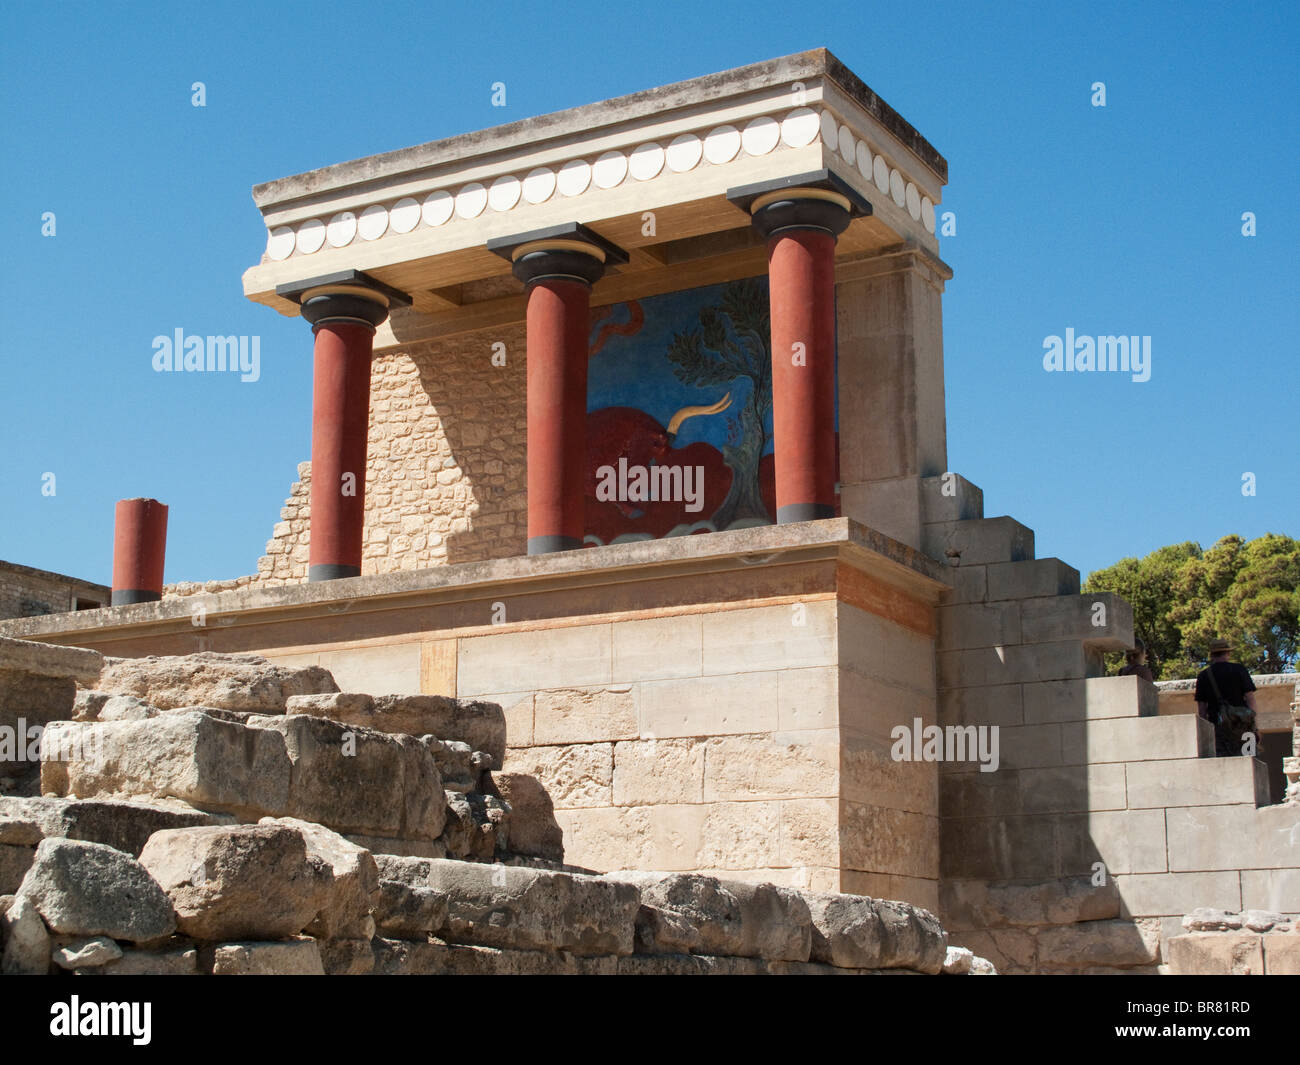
{"type": "Point", "coordinates": [1092, 943]}
{"type": "Point", "coordinates": [229, 682]}
{"type": "Point", "coordinates": [124, 826]}
{"type": "Point", "coordinates": [1216, 954]}
{"type": "Point", "coordinates": [586, 715]}
{"type": "Point", "coordinates": [979, 540]}
{"type": "Point", "coordinates": [509, 906]}
{"type": "Point", "coordinates": [79, 952]}
{"type": "Point", "coordinates": [26, 940]}
{"type": "Point", "coordinates": [658, 771]}
{"type": "Point", "coordinates": [239, 882]}
{"type": "Point", "coordinates": [1281, 953]}
{"type": "Point", "coordinates": [407, 907]}
{"type": "Point", "coordinates": [88, 889]}
{"type": "Point", "coordinates": [1031, 579]}
{"type": "Point", "coordinates": [574, 775]}
{"type": "Point", "coordinates": [294, 957]}
{"type": "Point", "coordinates": [354, 889]}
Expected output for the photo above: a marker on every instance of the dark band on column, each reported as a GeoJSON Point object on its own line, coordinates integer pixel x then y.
{"type": "Point", "coordinates": [793, 512]}
{"type": "Point", "coordinates": [329, 571]}
{"type": "Point", "coordinates": [127, 596]}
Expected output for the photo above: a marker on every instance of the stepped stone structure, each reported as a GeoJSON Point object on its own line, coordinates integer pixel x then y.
{"type": "Point", "coordinates": [630, 559]}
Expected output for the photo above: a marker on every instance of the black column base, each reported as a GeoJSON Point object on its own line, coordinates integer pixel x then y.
{"type": "Point", "coordinates": [331, 571]}
{"type": "Point", "coordinates": [546, 545]}
{"type": "Point", "coordinates": [127, 596]}
{"type": "Point", "coordinates": [793, 512]}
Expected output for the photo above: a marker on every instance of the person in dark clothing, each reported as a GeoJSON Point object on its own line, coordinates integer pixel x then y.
{"type": "Point", "coordinates": [1237, 689]}
{"type": "Point", "coordinates": [1135, 662]}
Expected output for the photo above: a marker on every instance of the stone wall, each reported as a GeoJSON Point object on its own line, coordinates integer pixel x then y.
{"type": "Point", "coordinates": [200, 815]}
{"type": "Point", "coordinates": [26, 592]}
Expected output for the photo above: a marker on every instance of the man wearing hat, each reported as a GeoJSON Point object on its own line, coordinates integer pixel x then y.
{"type": "Point", "coordinates": [1223, 683]}
{"type": "Point", "coordinates": [1135, 662]}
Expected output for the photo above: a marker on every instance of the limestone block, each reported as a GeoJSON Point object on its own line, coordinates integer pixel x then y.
{"type": "Point", "coordinates": [980, 794]}
{"type": "Point", "coordinates": [353, 890]}
{"type": "Point", "coordinates": [685, 914]}
{"type": "Point", "coordinates": [868, 774]}
{"type": "Point", "coordinates": [534, 831]}
{"type": "Point", "coordinates": [79, 952]}
{"type": "Point", "coordinates": [709, 706]}
{"type": "Point", "coordinates": [1216, 954]}
{"type": "Point", "coordinates": [1197, 782]}
{"type": "Point", "coordinates": [292, 957]}
{"type": "Point", "coordinates": [124, 826]}
{"type": "Point", "coordinates": [509, 906]}
{"type": "Point", "coordinates": [1031, 579]}
{"type": "Point", "coordinates": [887, 840]}
{"type": "Point", "coordinates": [880, 649]}
{"type": "Point", "coordinates": [375, 670]}
{"type": "Point", "coordinates": [482, 725]}
{"type": "Point", "coordinates": [357, 780]}
{"type": "Point", "coordinates": [980, 904]}
{"type": "Point", "coordinates": [781, 765]}
{"type": "Point", "coordinates": [26, 940]}
{"type": "Point", "coordinates": [1271, 889]}
{"type": "Point", "coordinates": [658, 771]}
{"type": "Point", "coordinates": [950, 497]}
{"type": "Point", "coordinates": [807, 698]}
{"type": "Point", "coordinates": [969, 584]}
{"type": "Point", "coordinates": [78, 664]}
{"type": "Point", "coordinates": [585, 715]}
{"type": "Point", "coordinates": [1072, 788]}
{"type": "Point", "coordinates": [574, 775]}
{"type": "Point", "coordinates": [1029, 746]}
{"type": "Point", "coordinates": [1281, 954]}
{"type": "Point", "coordinates": [533, 660]}
{"type": "Point", "coordinates": [998, 704]}
{"type": "Point", "coordinates": [229, 682]}
{"type": "Point", "coordinates": [775, 922]}
{"type": "Point", "coordinates": [1101, 618]}
{"type": "Point", "coordinates": [1136, 739]}
{"type": "Point", "coordinates": [1010, 950]}
{"type": "Point", "coordinates": [192, 756]}
{"type": "Point", "coordinates": [101, 706]}
{"type": "Point", "coordinates": [657, 649]}
{"type": "Point", "coordinates": [1099, 943]}
{"type": "Point", "coordinates": [1233, 837]}
{"type": "Point", "coordinates": [456, 764]}
{"type": "Point", "coordinates": [911, 938]}
{"type": "Point", "coordinates": [1026, 663]}
{"type": "Point", "coordinates": [1127, 841]}
{"type": "Point", "coordinates": [958, 961]}
{"type": "Point", "coordinates": [239, 882]}
{"type": "Point", "coordinates": [763, 638]}
{"type": "Point", "coordinates": [88, 889]}
{"type": "Point", "coordinates": [847, 930]}
{"type": "Point", "coordinates": [408, 908]}
{"type": "Point", "coordinates": [1089, 699]}
{"type": "Point", "coordinates": [979, 540]}
{"type": "Point", "coordinates": [978, 625]}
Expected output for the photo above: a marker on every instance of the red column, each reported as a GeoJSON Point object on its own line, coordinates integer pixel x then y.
{"type": "Point", "coordinates": [139, 547]}
{"type": "Point", "coordinates": [558, 321]}
{"type": "Point", "coordinates": [339, 435]}
{"type": "Point", "coordinates": [801, 274]}
{"type": "Point", "coordinates": [800, 226]}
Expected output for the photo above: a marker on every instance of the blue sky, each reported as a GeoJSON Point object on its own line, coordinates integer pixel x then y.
{"type": "Point", "coordinates": [1124, 219]}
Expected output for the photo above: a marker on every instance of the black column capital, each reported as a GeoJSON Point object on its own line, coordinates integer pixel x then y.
{"type": "Point", "coordinates": [349, 296]}
{"type": "Point", "coordinates": [820, 200]}
{"type": "Point", "coordinates": [569, 252]}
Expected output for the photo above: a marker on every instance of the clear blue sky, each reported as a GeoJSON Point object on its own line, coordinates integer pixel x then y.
{"type": "Point", "coordinates": [1125, 220]}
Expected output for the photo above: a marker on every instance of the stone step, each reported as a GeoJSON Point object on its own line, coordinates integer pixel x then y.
{"type": "Point", "coordinates": [1103, 620]}
{"type": "Point", "coordinates": [950, 497]}
{"type": "Point", "coordinates": [1145, 739]}
{"type": "Point", "coordinates": [1031, 579]}
{"type": "Point", "coordinates": [1090, 699]}
{"type": "Point", "coordinates": [1197, 782]}
{"type": "Point", "coordinates": [1018, 664]}
{"type": "Point", "coordinates": [979, 541]}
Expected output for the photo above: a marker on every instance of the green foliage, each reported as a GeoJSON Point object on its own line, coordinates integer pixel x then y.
{"type": "Point", "coordinates": [1245, 592]}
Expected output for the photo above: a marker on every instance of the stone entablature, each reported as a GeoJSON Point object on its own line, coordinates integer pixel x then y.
{"type": "Point", "coordinates": [419, 218]}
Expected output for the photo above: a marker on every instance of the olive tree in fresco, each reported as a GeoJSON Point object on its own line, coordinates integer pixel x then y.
{"type": "Point", "coordinates": [733, 341]}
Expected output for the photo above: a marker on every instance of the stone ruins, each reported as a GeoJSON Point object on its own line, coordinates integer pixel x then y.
{"type": "Point", "coordinates": [578, 733]}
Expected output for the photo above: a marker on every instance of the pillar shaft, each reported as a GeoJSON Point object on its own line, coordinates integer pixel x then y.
{"type": "Point", "coordinates": [340, 428]}
{"type": "Point", "coordinates": [801, 273]}
{"type": "Point", "coordinates": [139, 550]}
{"type": "Point", "coordinates": [558, 322]}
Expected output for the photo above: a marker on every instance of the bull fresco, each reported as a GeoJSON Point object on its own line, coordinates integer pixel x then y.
{"type": "Point", "coordinates": [679, 415]}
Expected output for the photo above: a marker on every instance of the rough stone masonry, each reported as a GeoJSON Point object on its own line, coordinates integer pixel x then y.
{"type": "Point", "coordinates": [217, 814]}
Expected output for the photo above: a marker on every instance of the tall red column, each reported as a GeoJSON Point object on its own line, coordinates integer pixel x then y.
{"type": "Point", "coordinates": [344, 310]}
{"type": "Point", "coordinates": [801, 225]}
{"type": "Point", "coordinates": [558, 266]}
{"type": "Point", "coordinates": [139, 550]}
{"type": "Point", "coordinates": [340, 424]}
{"type": "Point", "coordinates": [558, 318]}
